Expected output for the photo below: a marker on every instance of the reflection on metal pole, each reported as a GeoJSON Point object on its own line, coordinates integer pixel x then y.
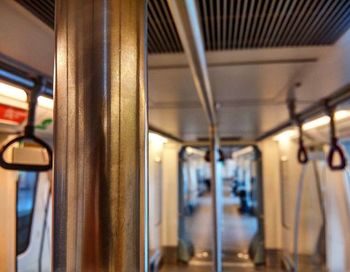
{"type": "Point", "coordinates": [100, 186]}
{"type": "Point", "coordinates": [216, 200]}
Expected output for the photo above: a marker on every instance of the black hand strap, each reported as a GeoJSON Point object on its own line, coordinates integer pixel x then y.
{"type": "Point", "coordinates": [334, 145]}
{"type": "Point", "coordinates": [302, 152]}
{"type": "Point", "coordinates": [26, 167]}
{"type": "Point", "coordinates": [29, 135]}
{"type": "Point", "coordinates": [302, 155]}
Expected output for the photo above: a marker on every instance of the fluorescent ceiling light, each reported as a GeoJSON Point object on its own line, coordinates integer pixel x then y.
{"type": "Point", "coordinates": [12, 92]}
{"type": "Point", "coordinates": [195, 151]}
{"type": "Point", "coordinates": [155, 137]}
{"type": "Point", "coordinates": [286, 135]}
{"type": "Point", "coordinates": [342, 114]}
{"type": "Point", "coordinates": [16, 93]}
{"type": "Point", "coordinates": [321, 121]}
{"type": "Point", "coordinates": [324, 120]}
{"type": "Point", "coordinates": [45, 102]}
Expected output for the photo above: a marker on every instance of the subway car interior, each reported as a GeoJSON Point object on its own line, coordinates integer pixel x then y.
{"type": "Point", "coordinates": [174, 135]}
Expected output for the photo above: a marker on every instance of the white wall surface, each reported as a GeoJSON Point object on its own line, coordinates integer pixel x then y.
{"type": "Point", "coordinates": [338, 221]}
{"type": "Point", "coordinates": [271, 188]}
{"type": "Point", "coordinates": [155, 194]}
{"type": "Point", "coordinates": [329, 74]}
{"type": "Point", "coordinates": [311, 213]}
{"type": "Point", "coordinates": [25, 38]}
{"type": "Point", "coordinates": [7, 218]}
{"type": "Point", "coordinates": [170, 194]}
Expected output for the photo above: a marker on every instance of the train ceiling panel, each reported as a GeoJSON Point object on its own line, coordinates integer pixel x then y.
{"type": "Point", "coordinates": [230, 25]}
{"type": "Point", "coordinates": [244, 82]}
{"type": "Point", "coordinates": [43, 9]}
{"type": "Point", "coordinates": [162, 33]}
{"type": "Point", "coordinates": [269, 23]}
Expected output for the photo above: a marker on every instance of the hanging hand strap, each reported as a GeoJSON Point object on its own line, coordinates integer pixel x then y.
{"type": "Point", "coordinates": [334, 146]}
{"type": "Point", "coordinates": [29, 135]}
{"type": "Point", "coordinates": [26, 167]}
{"type": "Point", "coordinates": [302, 155]}
{"type": "Point", "coordinates": [302, 152]}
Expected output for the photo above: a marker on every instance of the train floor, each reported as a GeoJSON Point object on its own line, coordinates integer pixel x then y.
{"type": "Point", "coordinates": [238, 230]}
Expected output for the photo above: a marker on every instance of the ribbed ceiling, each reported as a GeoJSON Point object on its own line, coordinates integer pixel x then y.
{"type": "Point", "coordinates": [245, 24]}
{"type": "Point", "coordinates": [272, 23]}
{"type": "Point", "coordinates": [43, 9]}
{"type": "Point", "coordinates": [162, 34]}
{"type": "Point", "coordinates": [240, 24]}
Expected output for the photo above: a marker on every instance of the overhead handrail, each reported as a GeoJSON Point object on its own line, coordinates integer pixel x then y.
{"type": "Point", "coordinates": [334, 145]}
{"type": "Point", "coordinates": [29, 135]}
{"type": "Point", "coordinates": [336, 98]}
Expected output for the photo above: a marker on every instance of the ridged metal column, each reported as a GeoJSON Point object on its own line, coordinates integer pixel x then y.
{"type": "Point", "coordinates": [100, 186]}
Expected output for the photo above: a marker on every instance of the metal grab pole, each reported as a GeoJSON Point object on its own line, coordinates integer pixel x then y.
{"type": "Point", "coordinates": [297, 217]}
{"type": "Point", "coordinates": [100, 213]}
{"type": "Point", "coordinates": [323, 209]}
{"type": "Point", "coordinates": [216, 200]}
{"type": "Point", "coordinates": [186, 18]}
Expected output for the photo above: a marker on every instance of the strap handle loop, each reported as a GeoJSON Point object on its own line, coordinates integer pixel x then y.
{"type": "Point", "coordinates": [26, 167]}
{"type": "Point", "coordinates": [335, 148]}
{"type": "Point", "coordinates": [29, 135]}
{"type": "Point", "coordinates": [334, 145]}
{"type": "Point", "coordinates": [303, 157]}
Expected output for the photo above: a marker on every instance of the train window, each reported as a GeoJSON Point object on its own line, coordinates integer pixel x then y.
{"type": "Point", "coordinates": [26, 188]}
{"type": "Point", "coordinates": [346, 144]}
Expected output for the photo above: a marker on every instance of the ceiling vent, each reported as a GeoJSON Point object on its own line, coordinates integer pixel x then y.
{"type": "Point", "coordinates": [244, 24]}
{"type": "Point", "coordinates": [43, 9]}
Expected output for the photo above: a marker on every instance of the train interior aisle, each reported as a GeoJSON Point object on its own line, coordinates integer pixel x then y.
{"type": "Point", "coordinates": [238, 230]}
{"type": "Point", "coordinates": [168, 135]}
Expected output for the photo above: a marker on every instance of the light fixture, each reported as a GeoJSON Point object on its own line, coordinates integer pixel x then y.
{"type": "Point", "coordinates": [341, 114]}
{"type": "Point", "coordinates": [19, 94]}
{"type": "Point", "coordinates": [12, 92]}
{"type": "Point", "coordinates": [286, 135]}
{"type": "Point", "coordinates": [155, 137]}
{"type": "Point", "coordinates": [324, 120]}
{"type": "Point", "coordinates": [321, 121]}
{"type": "Point", "coordinates": [45, 102]}
{"type": "Point", "coordinates": [194, 151]}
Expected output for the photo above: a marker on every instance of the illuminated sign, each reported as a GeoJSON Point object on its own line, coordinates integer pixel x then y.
{"type": "Point", "coordinates": [12, 115]}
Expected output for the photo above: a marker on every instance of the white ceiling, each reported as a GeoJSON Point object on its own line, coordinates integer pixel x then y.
{"type": "Point", "coordinates": [25, 38]}
{"type": "Point", "coordinates": [249, 85]}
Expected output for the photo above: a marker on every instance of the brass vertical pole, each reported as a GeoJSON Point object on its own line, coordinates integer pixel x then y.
{"type": "Point", "coordinates": [100, 185]}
